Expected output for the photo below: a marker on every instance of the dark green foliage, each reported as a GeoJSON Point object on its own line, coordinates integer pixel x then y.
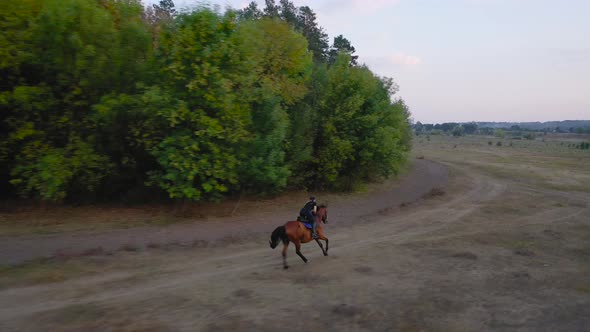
{"type": "Point", "coordinates": [316, 37]}
{"type": "Point", "coordinates": [280, 69]}
{"type": "Point", "coordinates": [469, 128]}
{"type": "Point", "coordinates": [103, 98]}
{"type": "Point", "coordinates": [342, 45]}
{"type": "Point", "coordinates": [361, 134]}
{"type": "Point", "coordinates": [458, 131]}
{"type": "Point", "coordinates": [70, 53]}
{"type": "Point", "coordinates": [272, 10]}
{"type": "Point", "coordinates": [251, 12]}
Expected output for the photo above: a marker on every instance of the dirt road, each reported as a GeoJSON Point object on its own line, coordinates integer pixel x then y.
{"type": "Point", "coordinates": [262, 219]}
{"type": "Point", "coordinates": [490, 254]}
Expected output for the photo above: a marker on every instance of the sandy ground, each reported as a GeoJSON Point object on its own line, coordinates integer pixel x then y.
{"type": "Point", "coordinates": [493, 254]}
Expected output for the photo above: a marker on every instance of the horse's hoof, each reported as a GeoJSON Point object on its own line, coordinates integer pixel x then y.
{"type": "Point", "coordinates": [305, 261]}
{"type": "Point", "coordinates": [285, 267]}
{"type": "Point", "coordinates": [325, 254]}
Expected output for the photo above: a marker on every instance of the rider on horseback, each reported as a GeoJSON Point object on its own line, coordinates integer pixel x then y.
{"type": "Point", "coordinates": [308, 212]}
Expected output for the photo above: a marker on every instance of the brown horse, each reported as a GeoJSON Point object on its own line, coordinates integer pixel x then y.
{"type": "Point", "coordinates": [296, 232]}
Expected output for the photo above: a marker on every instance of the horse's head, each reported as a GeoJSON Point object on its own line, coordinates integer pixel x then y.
{"type": "Point", "coordinates": [323, 213]}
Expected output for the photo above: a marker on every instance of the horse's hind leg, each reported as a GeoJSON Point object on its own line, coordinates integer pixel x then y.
{"type": "Point", "coordinates": [298, 251]}
{"type": "Point", "coordinates": [285, 245]}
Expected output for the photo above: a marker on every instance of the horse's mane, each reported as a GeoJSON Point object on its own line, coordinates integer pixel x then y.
{"type": "Point", "coordinates": [322, 206]}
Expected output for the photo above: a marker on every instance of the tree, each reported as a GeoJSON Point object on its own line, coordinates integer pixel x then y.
{"type": "Point", "coordinates": [362, 134]}
{"type": "Point", "coordinates": [281, 66]}
{"type": "Point", "coordinates": [458, 131]}
{"type": "Point", "coordinates": [448, 126]}
{"type": "Point", "coordinates": [271, 10]}
{"type": "Point", "coordinates": [470, 128]}
{"type": "Point", "coordinates": [165, 9]}
{"type": "Point", "coordinates": [199, 154]}
{"type": "Point", "coordinates": [288, 12]}
{"type": "Point", "coordinates": [342, 45]}
{"type": "Point", "coordinates": [251, 12]}
{"type": "Point", "coordinates": [75, 52]}
{"type": "Point", "coordinates": [159, 14]}
{"type": "Point", "coordinates": [418, 127]}
{"type": "Point", "coordinates": [317, 38]}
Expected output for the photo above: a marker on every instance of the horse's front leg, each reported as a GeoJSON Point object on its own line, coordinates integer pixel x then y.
{"type": "Point", "coordinates": [285, 266]}
{"type": "Point", "coordinates": [322, 247]}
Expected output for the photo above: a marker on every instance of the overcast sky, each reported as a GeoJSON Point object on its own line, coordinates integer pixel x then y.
{"type": "Point", "coordinates": [469, 60]}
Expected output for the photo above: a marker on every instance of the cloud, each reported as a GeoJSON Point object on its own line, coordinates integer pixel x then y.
{"type": "Point", "coordinates": [404, 59]}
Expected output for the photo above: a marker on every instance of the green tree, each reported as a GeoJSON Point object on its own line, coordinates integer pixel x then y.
{"type": "Point", "coordinates": [342, 45]}
{"type": "Point", "coordinates": [199, 155]}
{"type": "Point", "coordinates": [280, 68]}
{"type": "Point", "coordinates": [271, 10]}
{"type": "Point", "coordinates": [470, 128]}
{"type": "Point", "coordinates": [288, 12]}
{"type": "Point", "coordinates": [458, 131]}
{"type": "Point", "coordinates": [70, 53]}
{"type": "Point", "coordinates": [317, 38]}
{"type": "Point", "coordinates": [250, 12]}
{"type": "Point", "coordinates": [362, 134]}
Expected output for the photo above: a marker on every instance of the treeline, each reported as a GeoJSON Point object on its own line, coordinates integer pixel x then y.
{"type": "Point", "coordinates": [110, 100]}
{"type": "Point", "coordinates": [566, 126]}
{"type": "Point", "coordinates": [454, 128]}
{"type": "Point", "coordinates": [476, 128]}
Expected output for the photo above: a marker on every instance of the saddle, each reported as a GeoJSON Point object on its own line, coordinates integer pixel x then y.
{"type": "Point", "coordinates": [304, 222]}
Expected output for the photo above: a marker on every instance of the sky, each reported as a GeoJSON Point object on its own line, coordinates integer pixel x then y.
{"type": "Point", "coordinates": [468, 60]}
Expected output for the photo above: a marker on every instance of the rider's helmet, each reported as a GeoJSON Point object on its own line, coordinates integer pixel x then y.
{"type": "Point", "coordinates": [312, 198]}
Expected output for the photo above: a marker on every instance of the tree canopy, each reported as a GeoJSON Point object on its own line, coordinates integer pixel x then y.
{"type": "Point", "coordinates": [105, 99]}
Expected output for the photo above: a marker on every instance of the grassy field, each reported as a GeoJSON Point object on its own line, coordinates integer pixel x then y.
{"type": "Point", "coordinates": [549, 164]}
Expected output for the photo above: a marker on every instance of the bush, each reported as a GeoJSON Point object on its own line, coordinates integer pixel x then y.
{"type": "Point", "coordinates": [499, 133]}
{"type": "Point", "coordinates": [499, 143]}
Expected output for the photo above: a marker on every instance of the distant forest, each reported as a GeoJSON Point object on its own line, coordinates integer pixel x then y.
{"type": "Point", "coordinates": [490, 128]}
{"type": "Point", "coordinates": [565, 125]}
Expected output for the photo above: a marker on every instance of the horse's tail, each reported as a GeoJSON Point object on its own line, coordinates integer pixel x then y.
{"type": "Point", "coordinates": [279, 234]}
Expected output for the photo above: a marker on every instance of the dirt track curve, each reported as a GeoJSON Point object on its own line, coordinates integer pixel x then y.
{"type": "Point", "coordinates": [344, 211]}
